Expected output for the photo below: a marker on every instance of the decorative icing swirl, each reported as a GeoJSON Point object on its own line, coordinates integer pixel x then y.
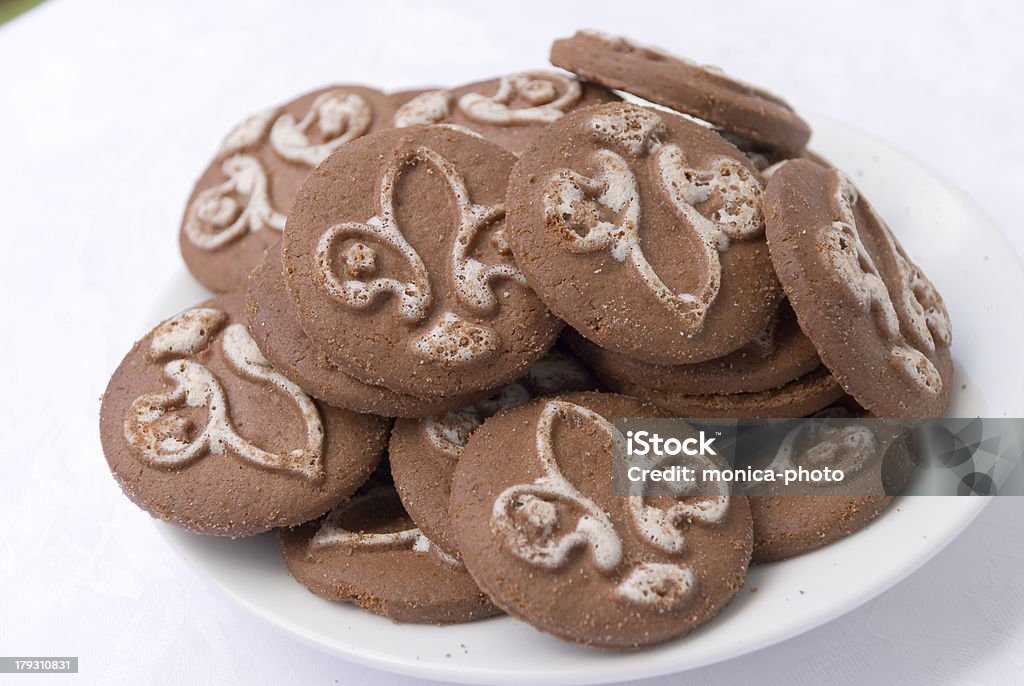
{"type": "Point", "coordinates": [549, 95]}
{"type": "Point", "coordinates": [579, 204]}
{"type": "Point", "coordinates": [336, 115]}
{"type": "Point", "coordinates": [226, 212]}
{"type": "Point", "coordinates": [451, 339]}
{"type": "Point", "coordinates": [162, 437]}
{"type": "Point", "coordinates": [332, 534]}
{"type": "Point", "coordinates": [534, 520]}
{"type": "Point", "coordinates": [924, 314]}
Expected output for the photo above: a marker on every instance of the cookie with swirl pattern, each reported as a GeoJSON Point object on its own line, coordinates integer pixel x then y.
{"type": "Point", "coordinates": [202, 431]}
{"type": "Point", "coordinates": [876, 461]}
{"type": "Point", "coordinates": [239, 204]}
{"type": "Point", "coordinates": [644, 232]}
{"type": "Point", "coordinates": [396, 257]}
{"type": "Point", "coordinates": [544, 536]}
{"type": "Point", "coordinates": [878, 322]}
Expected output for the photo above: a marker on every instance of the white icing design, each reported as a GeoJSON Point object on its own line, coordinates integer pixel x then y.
{"type": "Point", "coordinates": [226, 212]}
{"type": "Point", "coordinates": [425, 109]}
{"type": "Point", "coordinates": [338, 116]}
{"type": "Point", "coordinates": [452, 339]}
{"type": "Point", "coordinates": [530, 518]}
{"type": "Point", "coordinates": [526, 515]}
{"type": "Point", "coordinates": [924, 315]}
{"type": "Point", "coordinates": [249, 132]}
{"type": "Point", "coordinates": [162, 437]}
{"type": "Point", "coordinates": [817, 445]}
{"type": "Point", "coordinates": [332, 534]}
{"type": "Point", "coordinates": [633, 128]}
{"type": "Point", "coordinates": [663, 586]}
{"type": "Point", "coordinates": [186, 334]}
{"type": "Point", "coordinates": [549, 94]}
{"type": "Point", "coordinates": [450, 431]}
{"type": "Point", "coordinates": [579, 204]}
{"type": "Point", "coordinates": [355, 291]}
{"type": "Point", "coordinates": [663, 529]}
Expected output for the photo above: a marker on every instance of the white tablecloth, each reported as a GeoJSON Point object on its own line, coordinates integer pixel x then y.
{"type": "Point", "coordinates": [108, 110]}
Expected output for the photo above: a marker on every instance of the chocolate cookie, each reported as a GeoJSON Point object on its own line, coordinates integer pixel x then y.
{"type": "Point", "coordinates": [510, 110]}
{"type": "Point", "coordinates": [799, 398]}
{"type": "Point", "coordinates": [201, 431]}
{"type": "Point", "coordinates": [396, 257]}
{"type": "Point", "coordinates": [790, 525]}
{"type": "Point", "coordinates": [787, 526]}
{"type": "Point", "coordinates": [701, 91]}
{"type": "Point", "coordinates": [369, 552]}
{"type": "Point", "coordinates": [277, 332]}
{"type": "Point", "coordinates": [643, 231]}
{"type": "Point", "coordinates": [877, 321]}
{"type": "Point", "coordinates": [424, 452]}
{"type": "Point", "coordinates": [779, 355]}
{"type": "Point", "coordinates": [239, 204]}
{"type": "Point", "coordinates": [545, 538]}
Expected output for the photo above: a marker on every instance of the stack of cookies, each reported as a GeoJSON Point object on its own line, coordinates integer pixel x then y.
{"type": "Point", "coordinates": [431, 304]}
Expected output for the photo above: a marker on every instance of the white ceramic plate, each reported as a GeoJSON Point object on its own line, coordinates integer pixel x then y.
{"type": "Point", "coordinates": [981, 279]}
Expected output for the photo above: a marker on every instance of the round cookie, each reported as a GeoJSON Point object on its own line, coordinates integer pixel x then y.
{"type": "Point", "coordinates": [396, 258]}
{"type": "Point", "coordinates": [643, 231]}
{"type": "Point", "coordinates": [545, 538]}
{"type": "Point", "coordinates": [677, 83]}
{"type": "Point", "coordinates": [789, 525]}
{"type": "Point", "coordinates": [877, 321]}
{"type": "Point", "coordinates": [278, 334]}
{"type": "Point", "coordinates": [799, 398]}
{"type": "Point", "coordinates": [369, 552]}
{"type": "Point", "coordinates": [781, 354]}
{"type": "Point", "coordinates": [510, 110]}
{"type": "Point", "coordinates": [424, 452]}
{"type": "Point", "coordinates": [239, 204]}
{"type": "Point", "coordinates": [201, 431]}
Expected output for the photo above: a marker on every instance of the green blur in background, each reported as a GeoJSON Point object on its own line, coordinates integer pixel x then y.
{"type": "Point", "coordinates": [9, 9]}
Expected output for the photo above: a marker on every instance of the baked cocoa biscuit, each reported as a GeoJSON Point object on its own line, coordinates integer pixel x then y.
{"type": "Point", "coordinates": [877, 321]}
{"type": "Point", "coordinates": [702, 91]}
{"type": "Point", "coordinates": [424, 452]}
{"type": "Point", "coordinates": [643, 231]}
{"type": "Point", "coordinates": [787, 526]}
{"type": "Point", "coordinates": [238, 206]}
{"type": "Point", "coordinates": [277, 332]}
{"type": "Point", "coordinates": [369, 552]}
{"type": "Point", "coordinates": [200, 430]}
{"type": "Point", "coordinates": [395, 255]}
{"type": "Point", "coordinates": [799, 398]}
{"type": "Point", "coordinates": [779, 355]}
{"type": "Point", "coordinates": [876, 461]}
{"type": "Point", "coordinates": [510, 110]}
{"type": "Point", "coordinates": [545, 538]}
